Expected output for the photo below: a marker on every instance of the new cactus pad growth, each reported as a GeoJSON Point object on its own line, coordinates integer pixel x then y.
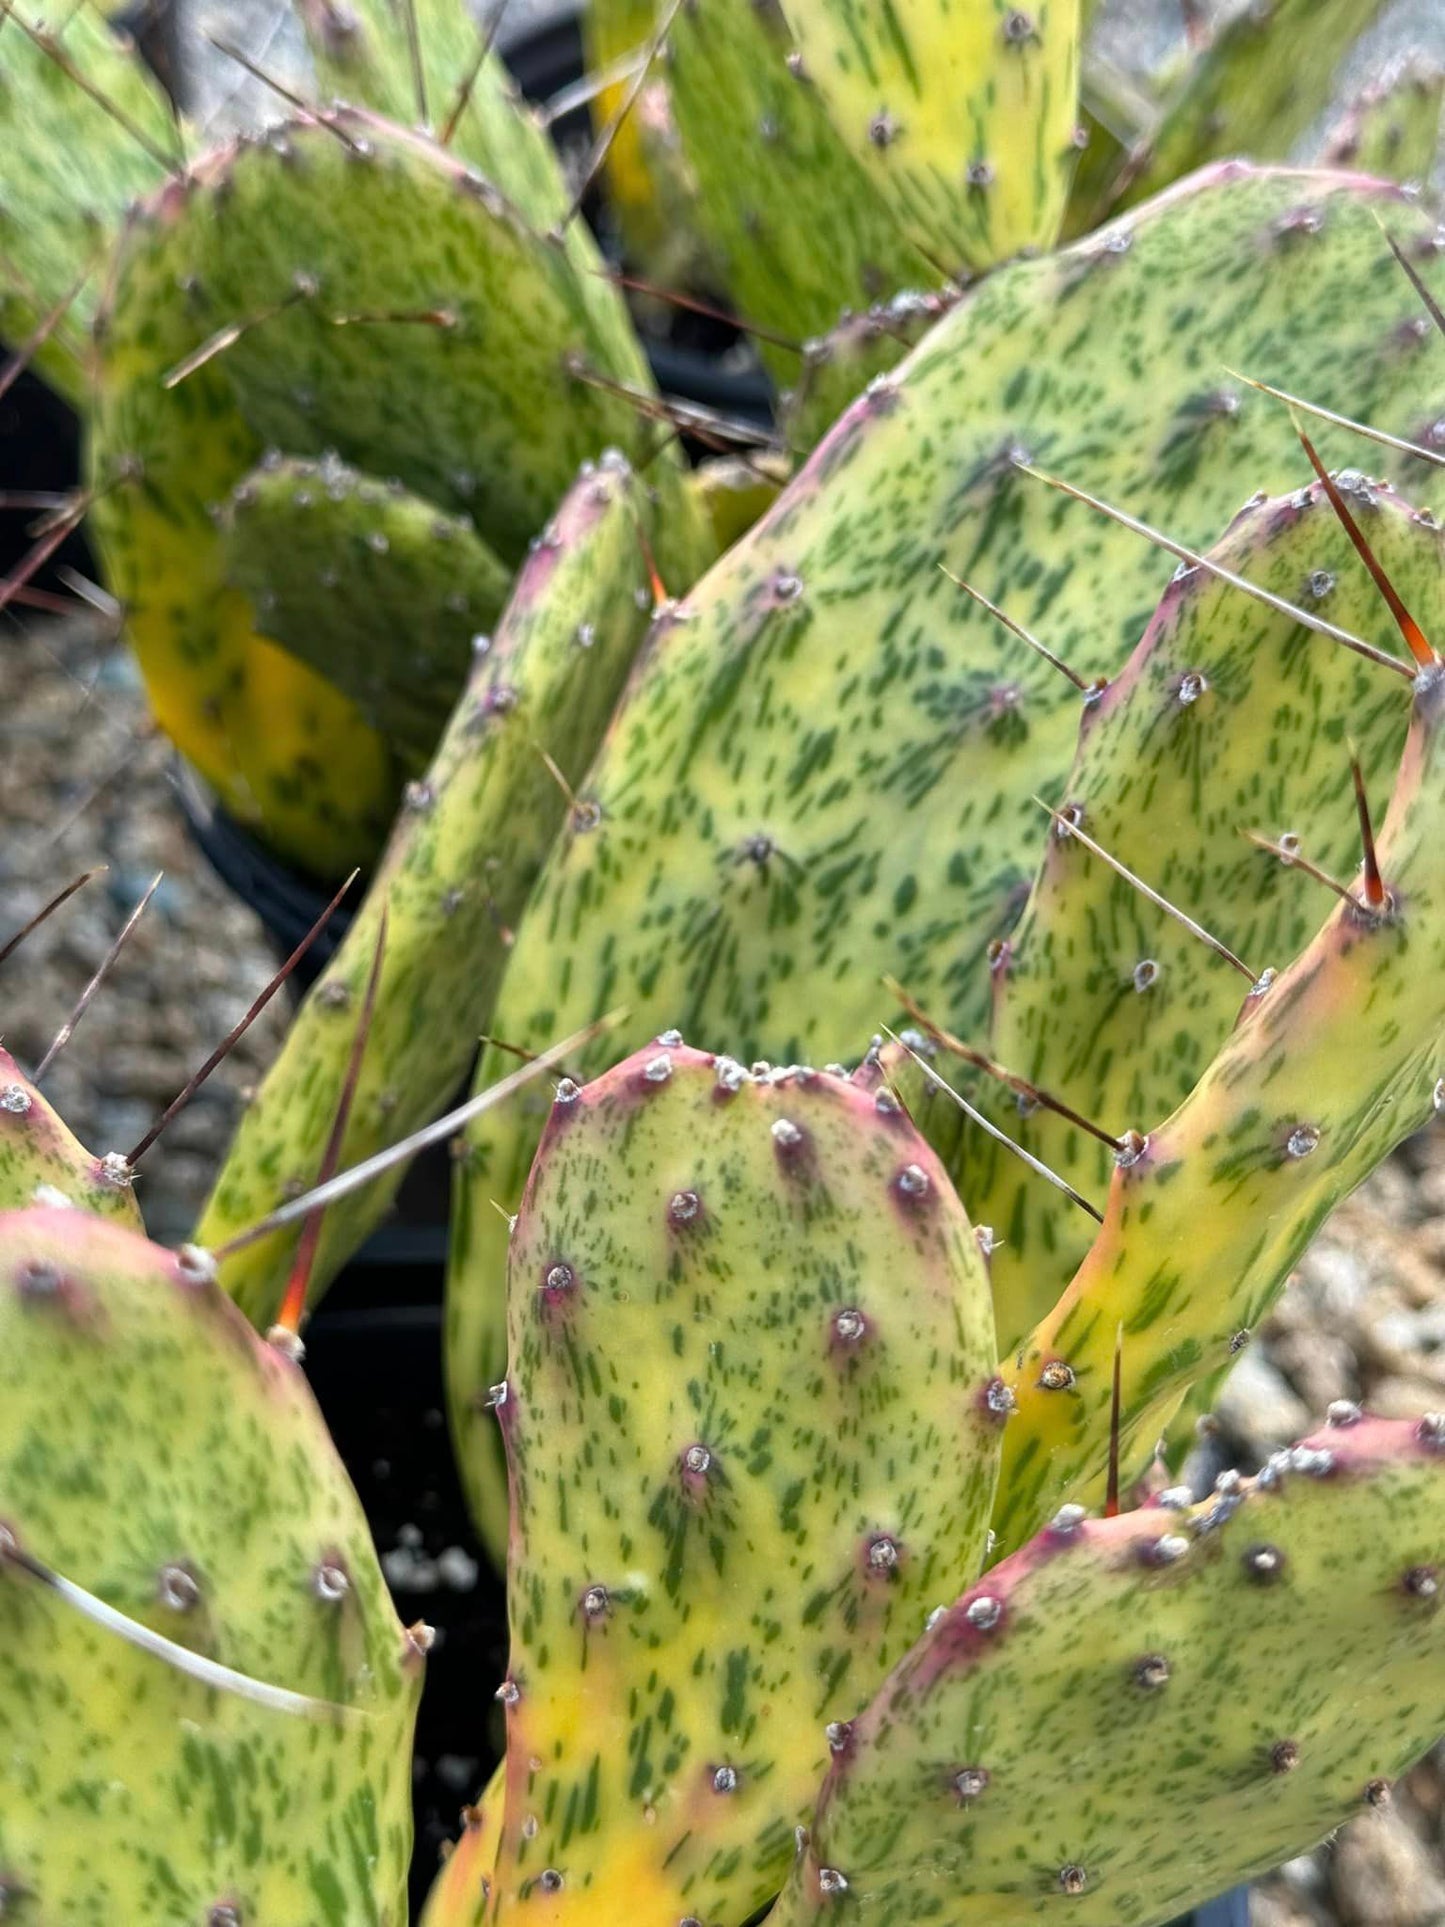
{"type": "Point", "coordinates": [337, 566]}
{"type": "Point", "coordinates": [730, 1443]}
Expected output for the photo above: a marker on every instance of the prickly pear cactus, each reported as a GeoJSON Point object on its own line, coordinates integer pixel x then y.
{"type": "Point", "coordinates": [285, 751]}
{"type": "Point", "coordinates": [1230, 716]}
{"type": "Point", "coordinates": [323, 273]}
{"type": "Point", "coordinates": [1265, 76]}
{"type": "Point", "coordinates": [470, 840]}
{"type": "Point", "coordinates": [799, 231]}
{"type": "Point", "coordinates": [743, 1467]}
{"type": "Point", "coordinates": [962, 117]}
{"type": "Point", "coordinates": [860, 349]}
{"type": "Point", "coordinates": [339, 567]}
{"type": "Point", "coordinates": [1326, 1069]}
{"type": "Point", "coordinates": [1132, 1713]}
{"type": "Point", "coordinates": [331, 331]}
{"type": "Point", "coordinates": [432, 66]}
{"type": "Point", "coordinates": [84, 129]}
{"type": "Point", "coordinates": [40, 1154]}
{"type": "Point", "coordinates": [724, 885]}
{"type": "Point", "coordinates": [199, 1653]}
{"type": "Point", "coordinates": [1393, 128]}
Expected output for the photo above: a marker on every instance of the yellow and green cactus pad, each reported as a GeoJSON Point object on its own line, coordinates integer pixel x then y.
{"type": "Point", "coordinates": [467, 846]}
{"type": "Point", "coordinates": [750, 1440]}
{"type": "Point", "coordinates": [961, 116]}
{"type": "Point", "coordinates": [378, 591]}
{"type": "Point", "coordinates": [1131, 1714]}
{"type": "Point", "coordinates": [798, 230]}
{"type": "Point", "coordinates": [1230, 717]}
{"type": "Point", "coordinates": [345, 285]}
{"type": "Point", "coordinates": [826, 771]}
{"type": "Point", "coordinates": [206, 1699]}
{"type": "Point", "coordinates": [1327, 1068]}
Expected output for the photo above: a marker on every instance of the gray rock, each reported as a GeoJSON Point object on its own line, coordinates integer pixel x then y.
{"type": "Point", "coordinates": [1257, 1408]}
{"type": "Point", "coordinates": [1383, 1876]}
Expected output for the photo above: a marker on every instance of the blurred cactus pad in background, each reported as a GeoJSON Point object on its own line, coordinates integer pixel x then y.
{"type": "Point", "coordinates": [929, 847]}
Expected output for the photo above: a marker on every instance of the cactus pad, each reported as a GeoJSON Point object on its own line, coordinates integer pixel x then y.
{"type": "Point", "coordinates": [199, 1652]}
{"type": "Point", "coordinates": [468, 843]}
{"type": "Point", "coordinates": [379, 592]}
{"type": "Point", "coordinates": [1326, 1070]}
{"type": "Point", "coordinates": [962, 117]}
{"type": "Point", "coordinates": [322, 275]}
{"type": "Point", "coordinates": [798, 230]}
{"type": "Point", "coordinates": [362, 263]}
{"type": "Point", "coordinates": [1229, 717]}
{"type": "Point", "coordinates": [287, 753]}
{"type": "Point", "coordinates": [38, 1149]}
{"type": "Point", "coordinates": [84, 129]}
{"type": "Point", "coordinates": [1265, 76]}
{"type": "Point", "coordinates": [1393, 128]}
{"type": "Point", "coordinates": [1132, 1713]}
{"type": "Point", "coordinates": [745, 1460]}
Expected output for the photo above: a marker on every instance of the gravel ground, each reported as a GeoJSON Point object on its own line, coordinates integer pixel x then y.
{"type": "Point", "coordinates": [84, 779]}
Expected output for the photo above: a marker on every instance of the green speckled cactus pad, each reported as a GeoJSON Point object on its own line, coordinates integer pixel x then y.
{"type": "Point", "coordinates": [380, 592]}
{"type": "Point", "coordinates": [750, 1446]}
{"type": "Point", "coordinates": [1133, 1713]}
{"type": "Point", "coordinates": [242, 1736]}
